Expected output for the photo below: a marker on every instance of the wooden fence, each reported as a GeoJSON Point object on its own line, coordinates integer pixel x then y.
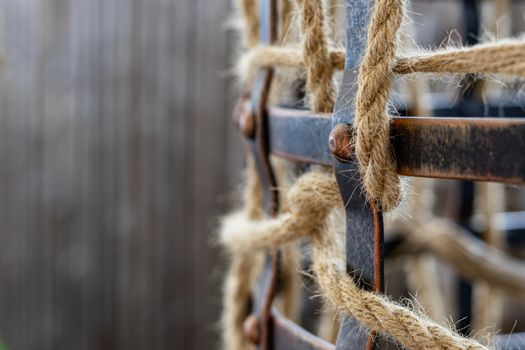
{"type": "Point", "coordinates": [116, 151]}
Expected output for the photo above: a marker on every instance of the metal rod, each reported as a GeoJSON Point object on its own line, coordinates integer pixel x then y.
{"type": "Point", "coordinates": [482, 149]}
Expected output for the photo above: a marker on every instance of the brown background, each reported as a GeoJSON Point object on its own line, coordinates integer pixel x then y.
{"type": "Point", "coordinates": [116, 152]}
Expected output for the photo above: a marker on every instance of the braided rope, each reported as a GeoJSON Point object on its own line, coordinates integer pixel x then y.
{"type": "Point", "coordinates": [377, 164]}
{"type": "Point", "coordinates": [311, 200]}
{"type": "Point", "coordinates": [505, 57]}
{"type": "Point", "coordinates": [316, 55]}
{"type": "Point", "coordinates": [314, 196]}
{"type": "Point", "coordinates": [372, 125]}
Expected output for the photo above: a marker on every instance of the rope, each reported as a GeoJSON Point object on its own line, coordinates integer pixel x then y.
{"type": "Point", "coordinates": [504, 57]}
{"type": "Point", "coordinates": [249, 10]}
{"type": "Point", "coordinates": [315, 195]}
{"type": "Point", "coordinates": [377, 164]}
{"type": "Point", "coordinates": [315, 55]}
{"type": "Point", "coordinates": [372, 125]}
{"type": "Point", "coordinates": [311, 200]}
{"type": "Point", "coordinates": [471, 257]}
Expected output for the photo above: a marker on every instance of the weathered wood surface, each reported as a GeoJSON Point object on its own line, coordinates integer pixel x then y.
{"type": "Point", "coordinates": [115, 146]}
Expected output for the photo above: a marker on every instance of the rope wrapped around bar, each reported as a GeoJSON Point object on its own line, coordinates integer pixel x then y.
{"type": "Point", "coordinates": [315, 195]}
{"type": "Point", "coordinates": [311, 200]}
{"type": "Point", "coordinates": [372, 124]}
{"type": "Point", "coordinates": [504, 57]}
{"type": "Point", "coordinates": [378, 168]}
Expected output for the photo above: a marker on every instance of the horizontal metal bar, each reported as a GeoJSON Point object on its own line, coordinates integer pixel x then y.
{"type": "Point", "coordinates": [300, 135]}
{"type": "Point", "coordinates": [484, 149]}
{"type": "Point", "coordinates": [288, 335]}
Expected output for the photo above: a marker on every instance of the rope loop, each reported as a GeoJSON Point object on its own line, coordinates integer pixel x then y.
{"type": "Point", "coordinates": [315, 195]}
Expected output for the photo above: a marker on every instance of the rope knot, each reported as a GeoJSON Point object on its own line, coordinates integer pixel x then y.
{"type": "Point", "coordinates": [315, 194]}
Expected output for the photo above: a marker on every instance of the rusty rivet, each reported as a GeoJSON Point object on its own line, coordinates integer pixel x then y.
{"type": "Point", "coordinates": [251, 329]}
{"type": "Point", "coordinates": [340, 141]}
{"type": "Point", "coordinates": [247, 124]}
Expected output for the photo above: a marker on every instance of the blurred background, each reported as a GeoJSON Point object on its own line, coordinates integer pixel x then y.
{"type": "Point", "coordinates": [117, 155]}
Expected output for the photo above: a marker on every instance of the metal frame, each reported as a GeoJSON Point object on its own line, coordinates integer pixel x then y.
{"type": "Point", "coordinates": [429, 147]}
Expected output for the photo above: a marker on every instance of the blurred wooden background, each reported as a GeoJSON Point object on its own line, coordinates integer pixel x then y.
{"type": "Point", "coordinates": [116, 150]}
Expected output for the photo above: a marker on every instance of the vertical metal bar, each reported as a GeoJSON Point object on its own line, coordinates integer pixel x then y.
{"type": "Point", "coordinates": [261, 152]}
{"type": "Point", "coordinates": [364, 224]}
{"type": "Point", "coordinates": [260, 94]}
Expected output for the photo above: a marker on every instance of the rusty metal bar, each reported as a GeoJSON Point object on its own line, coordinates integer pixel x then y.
{"type": "Point", "coordinates": [364, 221]}
{"type": "Point", "coordinates": [483, 149]}
{"type": "Point", "coordinates": [461, 148]}
{"type": "Point", "coordinates": [288, 335]}
{"type": "Point", "coordinates": [300, 135]}
{"type": "Point", "coordinates": [260, 149]}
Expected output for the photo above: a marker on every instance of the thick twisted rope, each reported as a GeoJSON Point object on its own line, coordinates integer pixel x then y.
{"type": "Point", "coordinates": [505, 57]}
{"type": "Point", "coordinates": [372, 124]}
{"type": "Point", "coordinates": [316, 55]}
{"type": "Point", "coordinates": [376, 312]}
{"type": "Point", "coordinates": [372, 146]}
{"type": "Point", "coordinates": [311, 200]}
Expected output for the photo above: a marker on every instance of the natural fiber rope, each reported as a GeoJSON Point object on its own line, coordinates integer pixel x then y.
{"type": "Point", "coordinates": [372, 146]}
{"type": "Point", "coordinates": [316, 55]}
{"type": "Point", "coordinates": [372, 124]}
{"type": "Point", "coordinates": [311, 200]}
{"type": "Point", "coordinates": [250, 15]}
{"type": "Point", "coordinates": [242, 272]}
{"type": "Point", "coordinates": [314, 195]}
{"type": "Point", "coordinates": [505, 57]}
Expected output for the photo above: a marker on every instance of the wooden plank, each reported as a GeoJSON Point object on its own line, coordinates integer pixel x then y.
{"type": "Point", "coordinates": [106, 149]}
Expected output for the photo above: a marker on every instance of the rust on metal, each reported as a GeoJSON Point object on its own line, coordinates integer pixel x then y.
{"type": "Point", "coordinates": [244, 119]}
{"type": "Point", "coordinates": [364, 220]}
{"type": "Point", "coordinates": [461, 148]}
{"type": "Point", "coordinates": [288, 335]}
{"type": "Point", "coordinates": [251, 329]}
{"type": "Point", "coordinates": [289, 128]}
{"type": "Point", "coordinates": [481, 149]}
{"type": "Point", "coordinates": [340, 142]}
{"type": "Point", "coordinates": [260, 147]}
{"type": "Point", "coordinates": [247, 124]}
